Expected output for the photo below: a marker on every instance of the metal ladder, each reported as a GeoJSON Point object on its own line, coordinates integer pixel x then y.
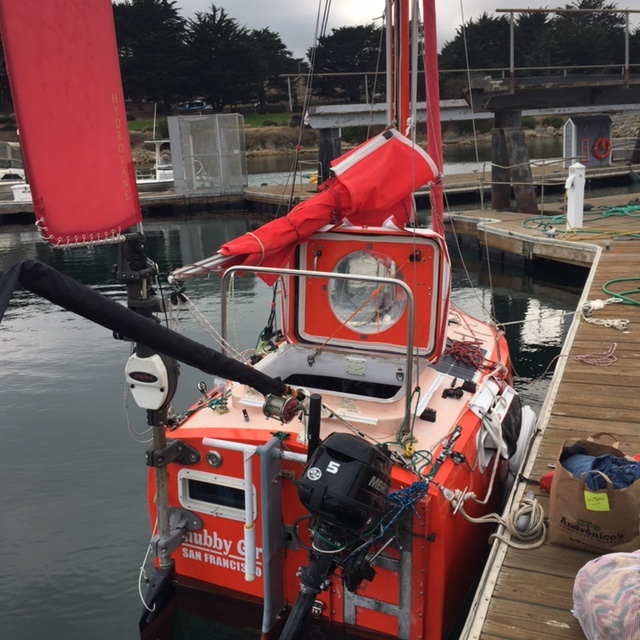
{"type": "Point", "coordinates": [402, 611]}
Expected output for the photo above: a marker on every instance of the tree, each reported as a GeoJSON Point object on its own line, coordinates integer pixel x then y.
{"type": "Point", "coordinates": [151, 42]}
{"type": "Point", "coordinates": [349, 50]}
{"type": "Point", "coordinates": [5, 90]}
{"type": "Point", "coordinates": [221, 65]}
{"type": "Point", "coordinates": [634, 45]}
{"type": "Point", "coordinates": [271, 60]}
{"type": "Point", "coordinates": [487, 45]}
{"type": "Point", "coordinates": [531, 41]}
{"type": "Point", "coordinates": [586, 39]}
{"type": "Point", "coordinates": [483, 42]}
{"type": "Point", "coordinates": [540, 40]}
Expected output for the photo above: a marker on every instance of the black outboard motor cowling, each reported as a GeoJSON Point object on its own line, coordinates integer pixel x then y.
{"type": "Point", "coordinates": [344, 487]}
{"type": "Point", "coordinates": [346, 482]}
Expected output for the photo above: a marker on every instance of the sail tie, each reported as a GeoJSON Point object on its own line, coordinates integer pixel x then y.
{"type": "Point", "coordinates": [257, 239]}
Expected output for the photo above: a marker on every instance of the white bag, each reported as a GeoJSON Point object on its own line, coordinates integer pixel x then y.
{"type": "Point", "coordinates": [606, 597]}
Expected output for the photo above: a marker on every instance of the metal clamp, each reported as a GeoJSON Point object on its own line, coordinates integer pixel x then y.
{"type": "Point", "coordinates": [175, 451]}
{"type": "Point", "coordinates": [180, 523]}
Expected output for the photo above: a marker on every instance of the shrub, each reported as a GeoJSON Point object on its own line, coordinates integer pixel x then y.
{"type": "Point", "coordinates": [278, 138]}
{"type": "Point", "coordinates": [162, 128]}
{"type": "Point", "coordinates": [553, 121]}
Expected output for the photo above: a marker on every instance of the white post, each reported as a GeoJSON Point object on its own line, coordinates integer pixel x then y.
{"type": "Point", "coordinates": [248, 451]}
{"type": "Point", "coordinates": [574, 187]}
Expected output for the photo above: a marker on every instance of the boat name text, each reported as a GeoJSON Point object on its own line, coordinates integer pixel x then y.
{"type": "Point", "coordinates": [213, 542]}
{"type": "Point", "coordinates": [124, 165]}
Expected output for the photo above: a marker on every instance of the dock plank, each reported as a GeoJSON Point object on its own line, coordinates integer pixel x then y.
{"type": "Point", "coordinates": [526, 595]}
{"type": "Point", "coordinates": [529, 594]}
{"type": "Point", "coordinates": [525, 621]}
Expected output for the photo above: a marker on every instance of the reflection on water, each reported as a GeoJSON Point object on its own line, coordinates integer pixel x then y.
{"type": "Point", "coordinates": [458, 158]}
{"type": "Point", "coordinates": [73, 477]}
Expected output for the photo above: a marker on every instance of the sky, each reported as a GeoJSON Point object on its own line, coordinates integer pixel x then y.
{"type": "Point", "coordinates": [295, 20]}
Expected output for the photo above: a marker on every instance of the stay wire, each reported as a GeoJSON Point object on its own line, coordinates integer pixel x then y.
{"type": "Point", "coordinates": [322, 18]}
{"type": "Point", "coordinates": [469, 84]}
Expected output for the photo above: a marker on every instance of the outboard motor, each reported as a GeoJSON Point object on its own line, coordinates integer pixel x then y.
{"type": "Point", "coordinates": [344, 487]}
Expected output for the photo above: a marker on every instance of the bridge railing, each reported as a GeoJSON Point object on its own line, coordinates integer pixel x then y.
{"type": "Point", "coordinates": [574, 11]}
{"type": "Point", "coordinates": [504, 75]}
{"type": "Point", "coordinates": [561, 71]}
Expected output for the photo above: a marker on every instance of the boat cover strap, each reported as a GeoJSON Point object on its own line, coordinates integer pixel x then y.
{"type": "Point", "coordinates": [58, 288]}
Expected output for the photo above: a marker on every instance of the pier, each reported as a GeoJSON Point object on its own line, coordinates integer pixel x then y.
{"type": "Point", "coordinates": [548, 180]}
{"type": "Point", "coordinates": [549, 177]}
{"type": "Point", "coordinates": [528, 594]}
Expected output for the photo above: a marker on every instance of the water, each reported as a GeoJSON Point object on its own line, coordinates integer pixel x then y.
{"type": "Point", "coordinates": [73, 476]}
{"type": "Point", "coordinates": [458, 158]}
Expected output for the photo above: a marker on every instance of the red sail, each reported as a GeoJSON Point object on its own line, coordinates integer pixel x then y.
{"type": "Point", "coordinates": [62, 61]}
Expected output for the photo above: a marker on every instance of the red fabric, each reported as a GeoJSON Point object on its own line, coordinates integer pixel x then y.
{"type": "Point", "coordinates": [381, 176]}
{"type": "Point", "coordinates": [273, 244]}
{"type": "Point", "coordinates": [63, 66]}
{"type": "Point", "coordinates": [374, 183]}
{"type": "Point", "coordinates": [545, 481]}
{"type": "Point", "coordinates": [434, 134]}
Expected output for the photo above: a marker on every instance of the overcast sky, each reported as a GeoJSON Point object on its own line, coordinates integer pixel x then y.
{"type": "Point", "coordinates": [295, 20]}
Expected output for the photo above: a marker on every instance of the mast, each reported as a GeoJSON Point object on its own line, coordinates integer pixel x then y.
{"type": "Point", "coordinates": [434, 132]}
{"type": "Point", "coordinates": [402, 66]}
{"type": "Point", "coordinates": [398, 63]}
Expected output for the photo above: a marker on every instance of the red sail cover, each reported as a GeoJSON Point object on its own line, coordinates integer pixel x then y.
{"type": "Point", "coordinates": [62, 61]}
{"type": "Point", "coordinates": [373, 186]}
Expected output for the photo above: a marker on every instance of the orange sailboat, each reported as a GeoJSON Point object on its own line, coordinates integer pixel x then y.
{"type": "Point", "coordinates": [342, 472]}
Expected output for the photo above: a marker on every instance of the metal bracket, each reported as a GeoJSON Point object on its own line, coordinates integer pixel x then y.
{"type": "Point", "coordinates": [181, 522]}
{"type": "Point", "coordinates": [453, 392]}
{"type": "Point", "coordinates": [175, 451]}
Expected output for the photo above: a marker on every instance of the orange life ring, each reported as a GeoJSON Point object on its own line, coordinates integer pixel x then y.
{"type": "Point", "coordinates": [601, 148]}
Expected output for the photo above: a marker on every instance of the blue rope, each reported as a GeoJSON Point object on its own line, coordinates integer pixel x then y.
{"type": "Point", "coordinates": [402, 499]}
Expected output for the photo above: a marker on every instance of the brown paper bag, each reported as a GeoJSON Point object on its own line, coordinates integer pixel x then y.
{"type": "Point", "coordinates": [598, 521]}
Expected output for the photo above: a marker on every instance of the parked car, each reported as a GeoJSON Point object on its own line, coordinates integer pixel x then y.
{"type": "Point", "coordinates": [194, 105]}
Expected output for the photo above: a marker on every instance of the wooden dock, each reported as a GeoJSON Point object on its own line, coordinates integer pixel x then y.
{"type": "Point", "coordinates": [527, 595]}
{"type": "Point", "coordinates": [547, 178]}
{"type": "Point", "coordinates": [550, 176]}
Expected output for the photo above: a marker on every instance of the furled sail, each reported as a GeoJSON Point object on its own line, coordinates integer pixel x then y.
{"type": "Point", "coordinates": [62, 61]}
{"type": "Point", "coordinates": [373, 185]}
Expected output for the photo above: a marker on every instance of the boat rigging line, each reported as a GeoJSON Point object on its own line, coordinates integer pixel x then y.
{"type": "Point", "coordinates": [49, 283]}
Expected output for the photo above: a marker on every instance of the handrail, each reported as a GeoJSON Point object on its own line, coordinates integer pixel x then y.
{"type": "Point", "coordinates": [540, 180]}
{"type": "Point", "coordinates": [504, 71]}
{"type": "Point", "coordinates": [231, 271]}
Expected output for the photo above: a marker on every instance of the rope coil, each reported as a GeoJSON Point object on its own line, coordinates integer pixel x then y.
{"type": "Point", "coordinates": [524, 525]}
{"type": "Point", "coordinates": [589, 307]}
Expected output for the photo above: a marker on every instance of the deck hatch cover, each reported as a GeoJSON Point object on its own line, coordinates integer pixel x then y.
{"type": "Point", "coordinates": [364, 315]}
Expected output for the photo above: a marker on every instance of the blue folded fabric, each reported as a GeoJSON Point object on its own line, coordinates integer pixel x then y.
{"type": "Point", "coordinates": [622, 472]}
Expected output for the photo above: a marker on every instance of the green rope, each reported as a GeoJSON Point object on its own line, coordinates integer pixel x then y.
{"type": "Point", "coordinates": [623, 295]}
{"type": "Point", "coordinates": [629, 211]}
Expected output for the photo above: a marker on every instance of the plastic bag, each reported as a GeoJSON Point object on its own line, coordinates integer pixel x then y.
{"type": "Point", "coordinates": [606, 597]}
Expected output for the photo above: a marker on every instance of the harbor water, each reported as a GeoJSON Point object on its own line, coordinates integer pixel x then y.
{"type": "Point", "coordinates": [458, 158]}
{"type": "Point", "coordinates": [73, 476]}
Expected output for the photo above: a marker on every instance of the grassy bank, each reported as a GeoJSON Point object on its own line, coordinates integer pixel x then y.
{"type": "Point", "coordinates": [145, 124]}
{"type": "Point", "coordinates": [265, 134]}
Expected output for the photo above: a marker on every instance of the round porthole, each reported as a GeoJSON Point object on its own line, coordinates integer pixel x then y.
{"type": "Point", "coordinates": [367, 307]}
